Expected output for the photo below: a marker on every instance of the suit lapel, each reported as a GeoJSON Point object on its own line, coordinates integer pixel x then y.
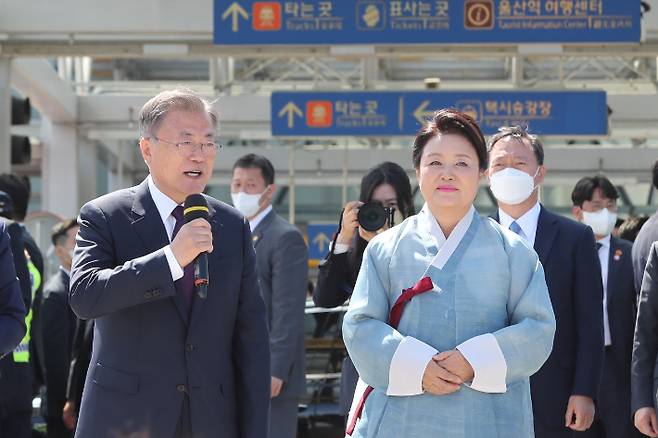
{"type": "Point", "coordinates": [613, 271]}
{"type": "Point", "coordinates": [262, 227]}
{"type": "Point", "coordinates": [546, 232]}
{"type": "Point", "coordinates": [151, 231]}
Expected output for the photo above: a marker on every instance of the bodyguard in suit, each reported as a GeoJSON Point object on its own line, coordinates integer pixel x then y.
{"type": "Point", "coordinates": [282, 260]}
{"type": "Point", "coordinates": [12, 309]}
{"type": "Point", "coordinates": [16, 372]}
{"type": "Point", "coordinates": [564, 389]}
{"type": "Point", "coordinates": [645, 351]}
{"type": "Point", "coordinates": [83, 337]}
{"type": "Point", "coordinates": [645, 238]}
{"type": "Point", "coordinates": [166, 362]}
{"type": "Point", "coordinates": [58, 329]}
{"type": "Point", "coordinates": [595, 204]}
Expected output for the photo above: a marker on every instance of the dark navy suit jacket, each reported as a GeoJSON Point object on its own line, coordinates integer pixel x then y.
{"type": "Point", "coordinates": [12, 309]}
{"type": "Point", "coordinates": [147, 352]}
{"type": "Point", "coordinates": [622, 308]}
{"type": "Point", "coordinates": [567, 250]}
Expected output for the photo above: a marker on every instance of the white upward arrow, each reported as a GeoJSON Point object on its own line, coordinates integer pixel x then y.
{"type": "Point", "coordinates": [291, 110]}
{"type": "Point", "coordinates": [235, 11]}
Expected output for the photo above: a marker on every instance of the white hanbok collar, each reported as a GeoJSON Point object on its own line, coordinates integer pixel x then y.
{"type": "Point", "coordinates": [446, 246]}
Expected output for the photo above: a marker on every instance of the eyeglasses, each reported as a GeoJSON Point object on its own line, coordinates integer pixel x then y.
{"type": "Point", "coordinates": [187, 148]}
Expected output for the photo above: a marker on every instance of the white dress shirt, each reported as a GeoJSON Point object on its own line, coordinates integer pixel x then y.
{"type": "Point", "coordinates": [259, 218]}
{"type": "Point", "coordinates": [165, 206]}
{"type": "Point", "coordinates": [604, 258]}
{"type": "Point", "coordinates": [527, 222]}
{"type": "Point", "coordinates": [482, 352]}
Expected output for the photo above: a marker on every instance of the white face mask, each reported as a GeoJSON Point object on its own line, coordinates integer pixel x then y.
{"type": "Point", "coordinates": [512, 186]}
{"type": "Point", "coordinates": [602, 222]}
{"type": "Point", "coordinates": [247, 204]}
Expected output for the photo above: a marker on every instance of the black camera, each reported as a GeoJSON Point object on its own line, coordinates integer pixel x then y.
{"type": "Point", "coordinates": [372, 216]}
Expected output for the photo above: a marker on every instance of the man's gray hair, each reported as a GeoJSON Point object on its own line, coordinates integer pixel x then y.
{"type": "Point", "coordinates": [179, 99]}
{"type": "Point", "coordinates": [520, 133]}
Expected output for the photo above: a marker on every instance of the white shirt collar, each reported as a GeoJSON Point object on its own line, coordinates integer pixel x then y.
{"type": "Point", "coordinates": [605, 241]}
{"type": "Point", "coordinates": [66, 271]}
{"type": "Point", "coordinates": [527, 222]}
{"type": "Point", "coordinates": [259, 218]}
{"type": "Point", "coordinates": [446, 246]}
{"type": "Point", "coordinates": [163, 203]}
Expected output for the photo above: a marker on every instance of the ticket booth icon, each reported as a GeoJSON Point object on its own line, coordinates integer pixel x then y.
{"type": "Point", "coordinates": [266, 16]}
{"type": "Point", "coordinates": [319, 114]}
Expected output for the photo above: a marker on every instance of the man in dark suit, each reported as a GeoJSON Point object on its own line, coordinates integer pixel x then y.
{"type": "Point", "coordinates": [645, 238]}
{"type": "Point", "coordinates": [16, 373]}
{"type": "Point", "coordinates": [282, 260]}
{"type": "Point", "coordinates": [564, 389]}
{"type": "Point", "coordinates": [12, 309]}
{"type": "Point", "coordinates": [595, 204]}
{"type": "Point", "coordinates": [58, 329]}
{"type": "Point", "coordinates": [166, 362]}
{"type": "Point", "coordinates": [644, 377]}
{"type": "Point", "coordinates": [18, 188]}
{"type": "Point", "coordinates": [83, 338]}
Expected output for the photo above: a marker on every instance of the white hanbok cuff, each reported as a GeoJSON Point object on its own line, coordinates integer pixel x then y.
{"type": "Point", "coordinates": [174, 267]}
{"type": "Point", "coordinates": [405, 375]}
{"type": "Point", "coordinates": [486, 358]}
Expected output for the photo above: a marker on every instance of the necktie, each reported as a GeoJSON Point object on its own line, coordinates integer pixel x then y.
{"type": "Point", "coordinates": [185, 284]}
{"type": "Point", "coordinates": [516, 228]}
{"type": "Point", "coordinates": [598, 245]}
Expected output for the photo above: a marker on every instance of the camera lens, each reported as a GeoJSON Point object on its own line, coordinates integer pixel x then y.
{"type": "Point", "coordinates": [372, 216]}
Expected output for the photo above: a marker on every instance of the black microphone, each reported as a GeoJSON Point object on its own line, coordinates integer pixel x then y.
{"type": "Point", "coordinates": [196, 207]}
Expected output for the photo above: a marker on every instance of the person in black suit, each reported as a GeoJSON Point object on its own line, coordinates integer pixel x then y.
{"type": "Point", "coordinates": [83, 338]}
{"type": "Point", "coordinates": [595, 204]}
{"type": "Point", "coordinates": [166, 360]}
{"type": "Point", "coordinates": [18, 188]}
{"type": "Point", "coordinates": [387, 184]}
{"type": "Point", "coordinates": [16, 375]}
{"type": "Point", "coordinates": [645, 238]}
{"type": "Point", "coordinates": [12, 309]}
{"type": "Point", "coordinates": [282, 261]}
{"type": "Point", "coordinates": [564, 389]}
{"type": "Point", "coordinates": [58, 329]}
{"type": "Point", "coordinates": [644, 375]}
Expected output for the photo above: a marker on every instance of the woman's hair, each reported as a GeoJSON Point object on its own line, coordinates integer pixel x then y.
{"type": "Point", "coordinates": [384, 173]}
{"type": "Point", "coordinates": [450, 121]}
{"type": "Point", "coordinates": [393, 174]}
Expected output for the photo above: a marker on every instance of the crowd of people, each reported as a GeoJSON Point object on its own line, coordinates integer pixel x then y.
{"type": "Point", "coordinates": [525, 323]}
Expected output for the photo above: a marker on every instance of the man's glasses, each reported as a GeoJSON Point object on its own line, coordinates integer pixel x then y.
{"type": "Point", "coordinates": [187, 148]}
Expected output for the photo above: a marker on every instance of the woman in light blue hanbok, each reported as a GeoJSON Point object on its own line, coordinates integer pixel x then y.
{"type": "Point", "coordinates": [450, 357]}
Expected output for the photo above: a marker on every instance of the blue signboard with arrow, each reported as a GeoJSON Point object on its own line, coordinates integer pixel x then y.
{"type": "Point", "coordinates": [253, 22]}
{"type": "Point", "coordinates": [364, 113]}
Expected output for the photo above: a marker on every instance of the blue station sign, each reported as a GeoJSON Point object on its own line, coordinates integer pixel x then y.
{"type": "Point", "coordinates": [376, 114]}
{"type": "Point", "coordinates": [313, 22]}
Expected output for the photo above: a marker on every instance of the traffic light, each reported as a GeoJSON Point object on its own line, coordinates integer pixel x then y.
{"type": "Point", "coordinates": [21, 111]}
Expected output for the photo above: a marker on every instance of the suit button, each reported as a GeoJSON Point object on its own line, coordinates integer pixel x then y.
{"type": "Point", "coordinates": [181, 388]}
{"type": "Point", "coordinates": [190, 348]}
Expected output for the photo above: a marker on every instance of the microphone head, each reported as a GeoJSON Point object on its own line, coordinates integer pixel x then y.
{"type": "Point", "coordinates": [195, 207]}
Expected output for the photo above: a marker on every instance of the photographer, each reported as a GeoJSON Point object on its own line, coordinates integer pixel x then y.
{"type": "Point", "coordinates": [386, 184]}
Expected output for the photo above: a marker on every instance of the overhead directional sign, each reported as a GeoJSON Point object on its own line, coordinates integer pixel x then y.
{"type": "Point", "coordinates": [373, 114]}
{"type": "Point", "coordinates": [319, 238]}
{"type": "Point", "coordinates": [251, 22]}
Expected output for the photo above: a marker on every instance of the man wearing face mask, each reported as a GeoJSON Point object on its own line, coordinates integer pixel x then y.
{"type": "Point", "coordinates": [58, 328]}
{"type": "Point", "coordinates": [282, 260]}
{"type": "Point", "coordinates": [595, 204]}
{"type": "Point", "coordinates": [564, 389]}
